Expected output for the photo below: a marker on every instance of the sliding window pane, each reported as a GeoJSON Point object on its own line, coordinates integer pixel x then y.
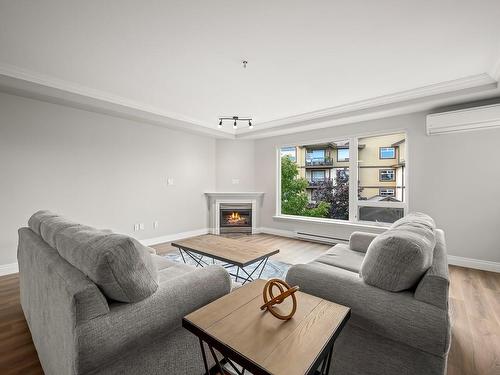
{"type": "Point", "coordinates": [316, 183]}
{"type": "Point", "coordinates": [381, 166]}
{"type": "Point", "coordinates": [380, 214]}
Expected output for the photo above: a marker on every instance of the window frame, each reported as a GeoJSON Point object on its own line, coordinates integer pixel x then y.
{"type": "Point", "coordinates": [343, 160]}
{"type": "Point", "coordinates": [380, 170]}
{"type": "Point", "coordinates": [387, 188]}
{"type": "Point", "coordinates": [354, 202]}
{"type": "Point", "coordinates": [386, 147]}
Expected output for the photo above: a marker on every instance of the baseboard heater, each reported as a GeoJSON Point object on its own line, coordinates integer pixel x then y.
{"type": "Point", "coordinates": [320, 238]}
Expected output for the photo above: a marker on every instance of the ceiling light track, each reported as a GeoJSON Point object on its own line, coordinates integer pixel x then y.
{"type": "Point", "coordinates": [235, 120]}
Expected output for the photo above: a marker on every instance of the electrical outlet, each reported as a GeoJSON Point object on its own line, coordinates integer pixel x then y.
{"type": "Point", "coordinates": [236, 181]}
{"type": "Point", "coordinates": [155, 224]}
{"type": "Point", "coordinates": [141, 226]}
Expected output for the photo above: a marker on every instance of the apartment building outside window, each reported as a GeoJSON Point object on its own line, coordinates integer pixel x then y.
{"type": "Point", "coordinates": [327, 187]}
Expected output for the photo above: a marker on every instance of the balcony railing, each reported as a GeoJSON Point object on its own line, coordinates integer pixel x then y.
{"type": "Point", "coordinates": [316, 182]}
{"type": "Point", "coordinates": [318, 162]}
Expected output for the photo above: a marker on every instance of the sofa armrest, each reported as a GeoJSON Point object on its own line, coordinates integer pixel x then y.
{"type": "Point", "coordinates": [359, 241]}
{"type": "Point", "coordinates": [129, 325]}
{"type": "Point", "coordinates": [397, 316]}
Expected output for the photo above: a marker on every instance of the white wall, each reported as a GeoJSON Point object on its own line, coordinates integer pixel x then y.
{"type": "Point", "coordinates": [235, 160]}
{"type": "Point", "coordinates": [99, 170]}
{"type": "Point", "coordinates": [454, 178]}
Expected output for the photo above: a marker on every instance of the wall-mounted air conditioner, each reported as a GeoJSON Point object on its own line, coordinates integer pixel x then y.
{"type": "Point", "coordinates": [476, 118]}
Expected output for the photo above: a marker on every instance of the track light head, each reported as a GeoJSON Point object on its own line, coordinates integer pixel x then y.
{"type": "Point", "coordinates": [250, 124]}
{"type": "Point", "coordinates": [235, 125]}
{"type": "Point", "coordinates": [220, 124]}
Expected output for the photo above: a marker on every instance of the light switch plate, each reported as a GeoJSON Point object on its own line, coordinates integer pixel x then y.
{"type": "Point", "coordinates": [170, 181]}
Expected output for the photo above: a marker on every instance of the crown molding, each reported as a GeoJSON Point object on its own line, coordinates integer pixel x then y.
{"type": "Point", "coordinates": [420, 99]}
{"type": "Point", "coordinates": [33, 85]}
{"type": "Point", "coordinates": [495, 71]}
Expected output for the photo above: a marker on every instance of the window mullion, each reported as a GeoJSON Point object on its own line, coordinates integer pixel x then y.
{"type": "Point", "coordinates": [353, 179]}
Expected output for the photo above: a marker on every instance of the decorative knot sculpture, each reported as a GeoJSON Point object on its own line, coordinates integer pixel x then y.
{"type": "Point", "coordinates": [270, 300]}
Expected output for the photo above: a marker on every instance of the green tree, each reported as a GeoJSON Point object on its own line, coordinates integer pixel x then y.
{"type": "Point", "coordinates": [293, 193]}
{"type": "Point", "coordinates": [336, 195]}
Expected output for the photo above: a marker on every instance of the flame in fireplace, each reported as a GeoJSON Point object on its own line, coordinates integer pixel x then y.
{"type": "Point", "coordinates": [235, 216]}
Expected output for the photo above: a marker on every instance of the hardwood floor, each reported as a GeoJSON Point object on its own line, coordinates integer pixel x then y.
{"type": "Point", "coordinates": [474, 301]}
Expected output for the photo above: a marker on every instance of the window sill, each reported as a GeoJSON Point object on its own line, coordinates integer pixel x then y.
{"type": "Point", "coordinates": [361, 225]}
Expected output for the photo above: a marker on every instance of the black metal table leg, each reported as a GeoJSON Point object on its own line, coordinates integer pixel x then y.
{"type": "Point", "coordinates": [221, 369]}
{"type": "Point", "coordinates": [204, 357]}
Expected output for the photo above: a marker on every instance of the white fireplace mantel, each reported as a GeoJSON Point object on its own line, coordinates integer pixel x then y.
{"type": "Point", "coordinates": [235, 194]}
{"type": "Point", "coordinates": [216, 198]}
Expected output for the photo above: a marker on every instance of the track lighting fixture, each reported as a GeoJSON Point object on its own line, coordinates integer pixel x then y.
{"type": "Point", "coordinates": [236, 119]}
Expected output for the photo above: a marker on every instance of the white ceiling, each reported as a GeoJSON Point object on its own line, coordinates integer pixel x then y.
{"type": "Point", "coordinates": [183, 58]}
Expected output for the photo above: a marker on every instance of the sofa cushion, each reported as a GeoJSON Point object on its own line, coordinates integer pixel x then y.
{"type": "Point", "coordinates": [399, 257]}
{"type": "Point", "coordinates": [119, 265]}
{"type": "Point", "coordinates": [416, 219]}
{"type": "Point", "coordinates": [341, 256]}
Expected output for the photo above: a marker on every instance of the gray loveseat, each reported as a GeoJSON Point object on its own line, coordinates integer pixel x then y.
{"type": "Point", "coordinates": [396, 284]}
{"type": "Point", "coordinates": [97, 302]}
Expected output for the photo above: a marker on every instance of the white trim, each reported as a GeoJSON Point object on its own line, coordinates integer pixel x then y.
{"type": "Point", "coordinates": [174, 237]}
{"type": "Point", "coordinates": [31, 84]}
{"type": "Point", "coordinates": [485, 265]}
{"type": "Point", "coordinates": [238, 194]}
{"type": "Point", "coordinates": [414, 100]}
{"type": "Point", "coordinates": [317, 220]}
{"type": "Point", "coordinates": [17, 81]}
{"type": "Point", "coordinates": [495, 71]}
{"type": "Point", "coordinates": [277, 232]}
{"type": "Point", "coordinates": [7, 269]}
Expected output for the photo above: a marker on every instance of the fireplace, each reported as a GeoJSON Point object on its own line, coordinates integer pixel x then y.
{"type": "Point", "coordinates": [235, 218]}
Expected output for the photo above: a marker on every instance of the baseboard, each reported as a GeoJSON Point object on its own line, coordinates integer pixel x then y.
{"type": "Point", "coordinates": [174, 237]}
{"type": "Point", "coordinates": [479, 264]}
{"type": "Point", "coordinates": [7, 269]}
{"type": "Point", "coordinates": [276, 232]}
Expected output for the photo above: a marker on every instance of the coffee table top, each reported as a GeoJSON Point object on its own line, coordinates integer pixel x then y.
{"type": "Point", "coordinates": [229, 250]}
{"type": "Point", "coordinates": [236, 324]}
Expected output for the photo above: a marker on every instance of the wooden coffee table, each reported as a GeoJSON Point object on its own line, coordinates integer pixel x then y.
{"type": "Point", "coordinates": [233, 253]}
{"type": "Point", "coordinates": [235, 326]}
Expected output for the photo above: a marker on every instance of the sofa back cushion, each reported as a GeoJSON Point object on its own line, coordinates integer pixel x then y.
{"type": "Point", "coordinates": [118, 264]}
{"type": "Point", "coordinates": [398, 258]}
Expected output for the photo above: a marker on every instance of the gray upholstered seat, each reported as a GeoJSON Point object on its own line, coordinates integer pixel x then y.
{"type": "Point", "coordinates": [342, 256]}
{"type": "Point", "coordinates": [78, 327]}
{"type": "Point", "coordinates": [390, 333]}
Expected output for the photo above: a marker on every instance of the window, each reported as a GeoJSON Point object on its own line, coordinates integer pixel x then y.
{"type": "Point", "coordinates": [290, 152]}
{"type": "Point", "coordinates": [387, 153]}
{"type": "Point", "coordinates": [386, 192]}
{"type": "Point", "coordinates": [318, 175]}
{"type": "Point", "coordinates": [314, 186]}
{"type": "Point", "coordinates": [387, 175]}
{"type": "Point", "coordinates": [355, 187]}
{"type": "Point", "coordinates": [342, 154]}
{"type": "Point", "coordinates": [381, 196]}
{"type": "Point", "coordinates": [316, 157]}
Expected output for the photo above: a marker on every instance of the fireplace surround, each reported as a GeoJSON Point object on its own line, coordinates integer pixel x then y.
{"type": "Point", "coordinates": [244, 206]}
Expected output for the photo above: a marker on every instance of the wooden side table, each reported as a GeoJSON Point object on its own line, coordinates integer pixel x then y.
{"type": "Point", "coordinates": [235, 326]}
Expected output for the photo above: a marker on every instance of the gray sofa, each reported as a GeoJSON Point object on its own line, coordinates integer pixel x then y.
{"type": "Point", "coordinates": [396, 284]}
{"type": "Point", "coordinates": [97, 302]}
